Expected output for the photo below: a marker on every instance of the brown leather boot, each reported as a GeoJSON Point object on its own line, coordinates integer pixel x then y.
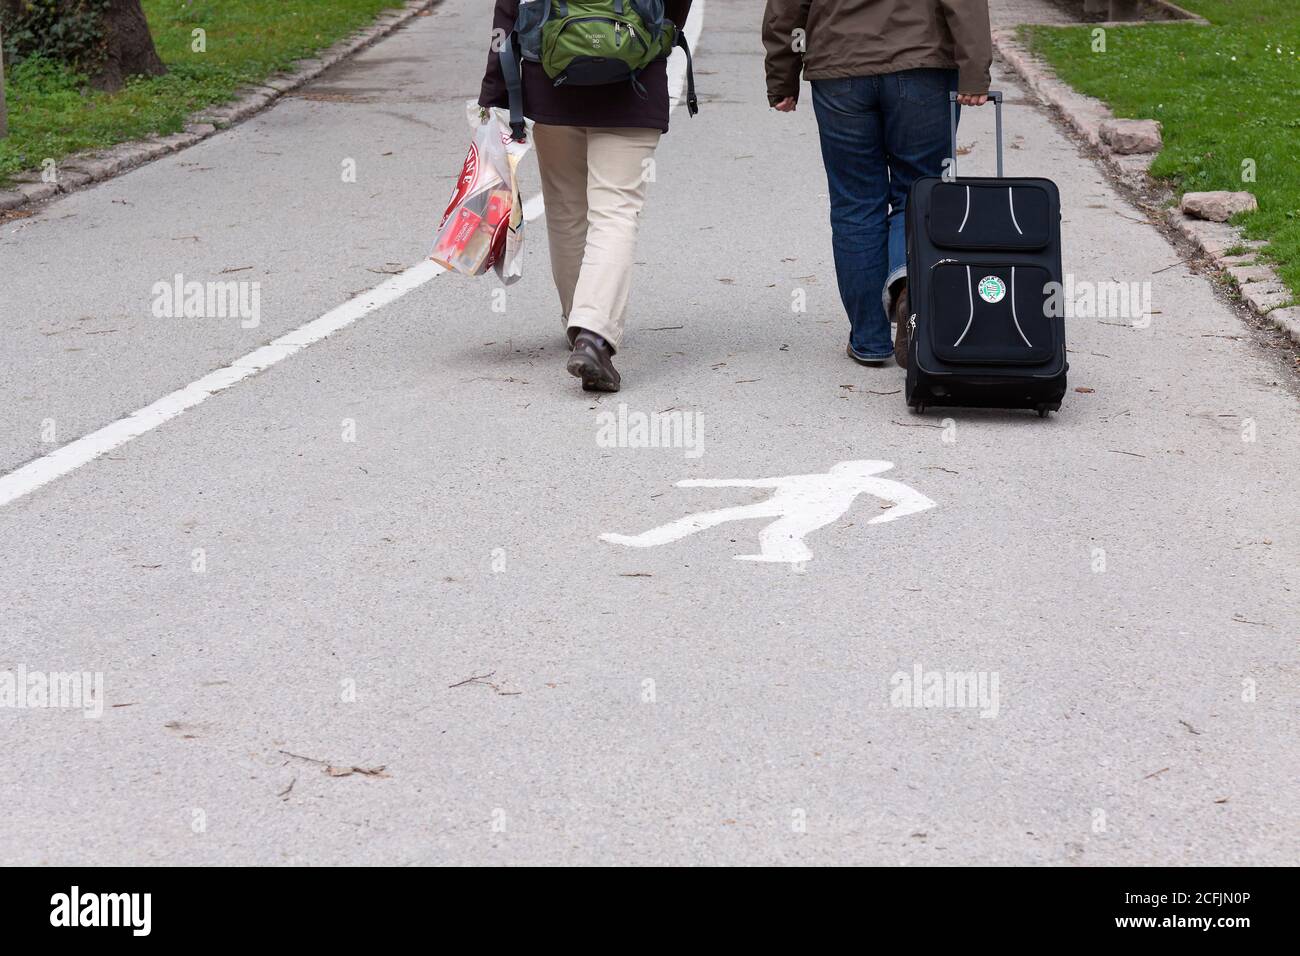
{"type": "Point", "coordinates": [592, 361]}
{"type": "Point", "coordinates": [902, 315]}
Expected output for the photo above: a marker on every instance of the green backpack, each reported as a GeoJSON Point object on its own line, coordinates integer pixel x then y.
{"type": "Point", "coordinates": [590, 43]}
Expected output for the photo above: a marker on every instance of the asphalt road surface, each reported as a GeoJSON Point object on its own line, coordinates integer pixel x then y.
{"type": "Point", "coordinates": [384, 550]}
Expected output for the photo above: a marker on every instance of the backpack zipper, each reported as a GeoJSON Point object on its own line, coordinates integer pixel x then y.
{"type": "Point", "coordinates": [617, 24]}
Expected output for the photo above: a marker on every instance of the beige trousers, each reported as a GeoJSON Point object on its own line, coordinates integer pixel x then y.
{"type": "Point", "coordinates": [594, 185]}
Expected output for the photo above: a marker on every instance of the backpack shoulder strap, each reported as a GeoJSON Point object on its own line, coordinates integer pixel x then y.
{"type": "Point", "coordinates": [510, 69]}
{"type": "Point", "coordinates": [692, 104]}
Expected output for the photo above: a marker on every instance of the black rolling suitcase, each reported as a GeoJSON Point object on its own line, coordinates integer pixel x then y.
{"type": "Point", "coordinates": [984, 277]}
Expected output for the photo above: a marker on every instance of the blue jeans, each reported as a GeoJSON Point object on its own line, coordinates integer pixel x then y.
{"type": "Point", "coordinates": [879, 134]}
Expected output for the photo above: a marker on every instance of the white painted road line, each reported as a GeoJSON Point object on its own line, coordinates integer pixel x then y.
{"type": "Point", "coordinates": [86, 449]}
{"type": "Point", "coordinates": [72, 456]}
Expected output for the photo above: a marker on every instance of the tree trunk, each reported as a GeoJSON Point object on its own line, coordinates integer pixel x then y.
{"type": "Point", "coordinates": [4, 115]}
{"type": "Point", "coordinates": [1125, 10]}
{"type": "Point", "coordinates": [128, 47]}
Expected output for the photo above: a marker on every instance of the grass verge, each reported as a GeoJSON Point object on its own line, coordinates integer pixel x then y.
{"type": "Point", "coordinates": [1228, 96]}
{"type": "Point", "coordinates": [53, 113]}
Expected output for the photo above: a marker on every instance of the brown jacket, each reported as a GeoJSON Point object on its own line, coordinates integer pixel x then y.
{"type": "Point", "coordinates": [613, 105]}
{"type": "Point", "coordinates": [868, 37]}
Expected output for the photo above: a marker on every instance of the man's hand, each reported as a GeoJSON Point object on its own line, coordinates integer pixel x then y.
{"type": "Point", "coordinates": [785, 106]}
{"type": "Point", "coordinates": [972, 99]}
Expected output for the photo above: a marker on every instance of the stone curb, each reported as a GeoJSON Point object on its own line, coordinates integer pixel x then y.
{"type": "Point", "coordinates": [1260, 286]}
{"type": "Point", "coordinates": [1084, 114]}
{"type": "Point", "coordinates": [83, 169]}
{"type": "Point", "coordinates": [1286, 320]}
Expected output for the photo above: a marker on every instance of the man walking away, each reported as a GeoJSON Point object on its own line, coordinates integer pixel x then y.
{"type": "Point", "coordinates": [881, 72]}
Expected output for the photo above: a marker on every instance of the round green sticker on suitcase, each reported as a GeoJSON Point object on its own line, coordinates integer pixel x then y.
{"type": "Point", "coordinates": [992, 289]}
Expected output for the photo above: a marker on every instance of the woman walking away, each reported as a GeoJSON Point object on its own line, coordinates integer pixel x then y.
{"type": "Point", "coordinates": [597, 121]}
{"type": "Point", "coordinates": [881, 72]}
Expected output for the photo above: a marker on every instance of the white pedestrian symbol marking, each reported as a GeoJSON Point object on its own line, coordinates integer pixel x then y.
{"type": "Point", "coordinates": [800, 504]}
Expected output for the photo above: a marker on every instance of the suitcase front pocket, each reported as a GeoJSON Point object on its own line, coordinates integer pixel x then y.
{"type": "Point", "coordinates": [991, 314]}
{"type": "Point", "coordinates": [990, 216]}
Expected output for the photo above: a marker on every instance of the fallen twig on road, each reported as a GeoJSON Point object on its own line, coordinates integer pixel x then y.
{"type": "Point", "coordinates": [482, 679]}
{"type": "Point", "coordinates": [336, 770]}
{"type": "Point", "coordinates": [1241, 620]}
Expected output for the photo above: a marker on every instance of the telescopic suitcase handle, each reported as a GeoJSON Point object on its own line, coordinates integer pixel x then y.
{"type": "Point", "coordinates": [996, 97]}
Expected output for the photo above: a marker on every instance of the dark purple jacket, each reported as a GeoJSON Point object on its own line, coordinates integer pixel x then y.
{"type": "Point", "coordinates": [616, 104]}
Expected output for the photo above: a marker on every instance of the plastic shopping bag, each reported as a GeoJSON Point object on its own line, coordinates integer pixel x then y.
{"type": "Point", "coordinates": [483, 227]}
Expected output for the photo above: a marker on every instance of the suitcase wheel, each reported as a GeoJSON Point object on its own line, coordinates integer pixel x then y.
{"type": "Point", "coordinates": [1043, 411]}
